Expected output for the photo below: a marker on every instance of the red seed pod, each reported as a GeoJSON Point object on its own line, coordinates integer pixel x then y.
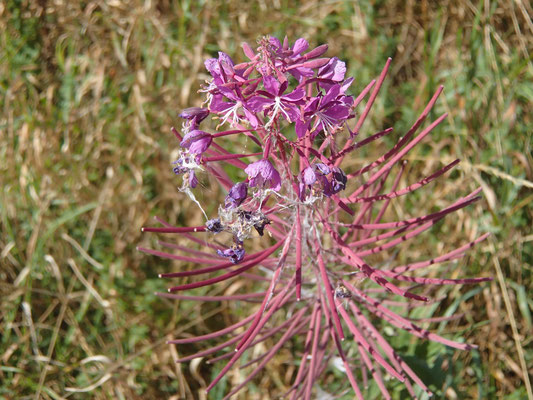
{"type": "Point", "coordinates": [316, 52]}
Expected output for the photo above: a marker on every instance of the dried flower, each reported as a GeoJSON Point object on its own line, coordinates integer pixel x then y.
{"type": "Point", "coordinates": [323, 222]}
{"type": "Point", "coordinates": [236, 195]}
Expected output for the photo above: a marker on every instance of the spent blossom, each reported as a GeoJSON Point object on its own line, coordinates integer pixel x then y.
{"type": "Point", "coordinates": [320, 221]}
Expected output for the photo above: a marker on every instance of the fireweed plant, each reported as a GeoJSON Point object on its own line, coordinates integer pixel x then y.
{"type": "Point", "coordinates": [294, 104]}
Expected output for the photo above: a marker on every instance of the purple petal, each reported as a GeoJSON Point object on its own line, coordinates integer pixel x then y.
{"type": "Point", "coordinates": [218, 104]}
{"type": "Point", "coordinates": [301, 72]}
{"type": "Point", "coordinates": [262, 167]}
{"type": "Point", "coordinates": [346, 100]}
{"type": "Point", "coordinates": [271, 85]}
{"type": "Point", "coordinates": [296, 95]}
{"type": "Point", "coordinates": [193, 136]}
{"type": "Point", "coordinates": [332, 94]}
{"type": "Point", "coordinates": [346, 84]}
{"type": "Point", "coordinates": [275, 181]}
{"type": "Point", "coordinates": [193, 181]}
{"type": "Point", "coordinates": [258, 103]}
{"type": "Point", "coordinates": [334, 70]}
{"type": "Point", "coordinates": [309, 176]}
{"type": "Point", "coordinates": [322, 168]}
{"type": "Point", "coordinates": [196, 141]}
{"type": "Point", "coordinates": [200, 145]}
{"type": "Point", "coordinates": [338, 112]}
{"type": "Point", "coordinates": [292, 110]}
{"type": "Point", "coordinates": [235, 253]}
{"type": "Point", "coordinates": [284, 85]}
{"type": "Point", "coordinates": [211, 64]}
{"type": "Point", "coordinates": [250, 116]}
{"type": "Point", "coordinates": [236, 195]}
{"type": "Point", "coordinates": [225, 59]}
{"type": "Point", "coordinates": [301, 128]}
{"type": "Point", "coordinates": [312, 105]}
{"type": "Point", "coordinates": [197, 113]}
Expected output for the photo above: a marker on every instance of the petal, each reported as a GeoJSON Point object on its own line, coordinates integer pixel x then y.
{"type": "Point", "coordinates": [258, 103]}
{"type": "Point", "coordinates": [275, 181]}
{"type": "Point", "coordinates": [194, 112]}
{"type": "Point", "coordinates": [331, 95]}
{"type": "Point", "coordinates": [334, 70]}
{"type": "Point", "coordinates": [193, 136]}
{"type": "Point", "coordinates": [295, 95]}
{"type": "Point", "coordinates": [322, 168]}
{"type": "Point", "coordinates": [250, 116]}
{"type": "Point", "coordinates": [224, 58]}
{"type": "Point", "coordinates": [261, 172]}
{"type": "Point", "coordinates": [338, 112]}
{"type": "Point", "coordinates": [200, 145]}
{"type": "Point", "coordinates": [193, 181]}
{"type": "Point", "coordinates": [236, 195]}
{"type": "Point", "coordinates": [211, 64]}
{"type": "Point", "coordinates": [312, 105]}
{"type": "Point", "coordinates": [309, 176]}
{"type": "Point", "coordinates": [339, 71]}
{"type": "Point", "coordinates": [256, 168]}
{"type": "Point", "coordinates": [292, 111]}
{"type": "Point", "coordinates": [218, 104]}
{"type": "Point", "coordinates": [346, 84]}
{"type": "Point", "coordinates": [301, 128]}
{"type": "Point", "coordinates": [300, 72]}
{"type": "Point", "coordinates": [271, 85]}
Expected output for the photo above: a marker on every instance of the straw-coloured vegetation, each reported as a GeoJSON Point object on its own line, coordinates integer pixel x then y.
{"type": "Point", "coordinates": [89, 92]}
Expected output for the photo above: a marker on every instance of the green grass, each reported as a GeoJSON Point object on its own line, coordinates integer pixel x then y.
{"type": "Point", "coordinates": [88, 93]}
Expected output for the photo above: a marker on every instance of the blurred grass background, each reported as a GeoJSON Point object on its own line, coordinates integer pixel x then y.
{"type": "Point", "coordinates": [88, 93]}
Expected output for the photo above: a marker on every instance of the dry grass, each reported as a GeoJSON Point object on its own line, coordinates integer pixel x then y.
{"type": "Point", "coordinates": [88, 93]}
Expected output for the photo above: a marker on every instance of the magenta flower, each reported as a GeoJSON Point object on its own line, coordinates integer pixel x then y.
{"type": "Point", "coordinates": [325, 112]}
{"type": "Point", "coordinates": [277, 103]}
{"type": "Point", "coordinates": [263, 175]}
{"type": "Point", "coordinates": [222, 69]}
{"type": "Point", "coordinates": [325, 224]}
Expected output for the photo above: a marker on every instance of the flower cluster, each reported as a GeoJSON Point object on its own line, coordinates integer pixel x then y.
{"type": "Point", "coordinates": [292, 104]}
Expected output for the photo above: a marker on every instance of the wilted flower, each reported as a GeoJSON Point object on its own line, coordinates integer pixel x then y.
{"type": "Point", "coordinates": [262, 174]}
{"type": "Point", "coordinates": [237, 194]}
{"type": "Point", "coordinates": [214, 225]}
{"type": "Point", "coordinates": [235, 253]}
{"type": "Point", "coordinates": [323, 223]}
{"type": "Point", "coordinates": [196, 141]}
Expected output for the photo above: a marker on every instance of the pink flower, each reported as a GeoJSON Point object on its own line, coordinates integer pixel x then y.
{"type": "Point", "coordinates": [325, 226]}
